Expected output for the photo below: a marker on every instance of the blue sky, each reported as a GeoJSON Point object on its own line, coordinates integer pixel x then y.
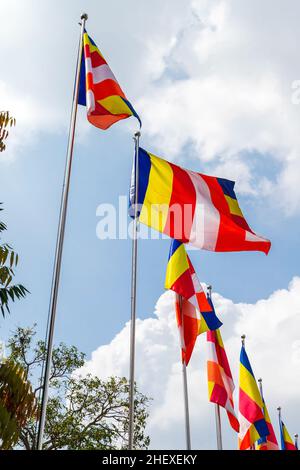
{"type": "Point", "coordinates": [95, 284]}
{"type": "Point", "coordinates": [204, 104]}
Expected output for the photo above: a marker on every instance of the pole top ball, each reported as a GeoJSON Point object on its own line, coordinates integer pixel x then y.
{"type": "Point", "coordinates": [279, 408]}
{"type": "Point", "coordinates": [84, 16]}
{"type": "Point", "coordinates": [137, 134]}
{"type": "Point", "coordinates": [259, 380]}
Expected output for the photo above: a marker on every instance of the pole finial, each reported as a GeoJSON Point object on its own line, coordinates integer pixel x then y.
{"type": "Point", "coordinates": [243, 337]}
{"type": "Point", "coordinates": [84, 16]}
{"type": "Point", "coordinates": [296, 436]}
{"type": "Point", "coordinates": [209, 289]}
{"type": "Point", "coordinates": [279, 412]}
{"type": "Point", "coordinates": [259, 380]}
{"type": "Point", "coordinates": [137, 134]}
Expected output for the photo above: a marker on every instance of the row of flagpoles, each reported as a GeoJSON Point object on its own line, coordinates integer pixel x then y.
{"type": "Point", "coordinates": [215, 222]}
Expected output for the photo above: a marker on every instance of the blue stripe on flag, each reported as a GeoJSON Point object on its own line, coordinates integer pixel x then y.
{"type": "Point", "coordinates": [227, 187]}
{"type": "Point", "coordinates": [245, 361]}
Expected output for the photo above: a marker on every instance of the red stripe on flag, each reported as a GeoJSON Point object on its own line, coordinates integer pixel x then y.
{"type": "Point", "coordinates": [97, 59]}
{"type": "Point", "coordinates": [180, 217]}
{"type": "Point", "coordinates": [248, 408]}
{"type": "Point", "coordinates": [233, 421]}
{"type": "Point", "coordinates": [107, 88]}
{"type": "Point", "coordinates": [189, 327]}
{"type": "Point", "coordinates": [184, 285]}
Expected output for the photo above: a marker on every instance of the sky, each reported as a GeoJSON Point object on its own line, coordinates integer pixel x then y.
{"type": "Point", "coordinates": [215, 84]}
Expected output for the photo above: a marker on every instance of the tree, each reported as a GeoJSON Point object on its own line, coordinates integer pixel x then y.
{"type": "Point", "coordinates": [5, 121]}
{"type": "Point", "coordinates": [83, 412]}
{"type": "Point", "coordinates": [8, 258]}
{"type": "Point", "coordinates": [17, 402]}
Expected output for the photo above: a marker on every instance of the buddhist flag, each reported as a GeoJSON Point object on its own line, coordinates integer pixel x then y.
{"type": "Point", "coordinates": [269, 442]}
{"type": "Point", "coordinates": [99, 90]}
{"type": "Point", "coordinates": [191, 207]}
{"type": "Point", "coordinates": [220, 382]}
{"type": "Point", "coordinates": [286, 440]}
{"type": "Point", "coordinates": [193, 311]}
{"type": "Point", "coordinates": [253, 425]}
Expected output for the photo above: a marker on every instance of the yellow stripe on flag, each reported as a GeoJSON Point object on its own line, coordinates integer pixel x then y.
{"type": "Point", "coordinates": [177, 265]}
{"type": "Point", "coordinates": [210, 388]}
{"type": "Point", "coordinates": [115, 105]}
{"type": "Point", "coordinates": [249, 386]}
{"type": "Point", "coordinates": [202, 326]}
{"type": "Point", "coordinates": [155, 208]}
{"type": "Point", "coordinates": [92, 47]}
{"type": "Point", "coordinates": [233, 206]}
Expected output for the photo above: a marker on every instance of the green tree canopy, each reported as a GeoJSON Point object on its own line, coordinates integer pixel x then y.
{"type": "Point", "coordinates": [83, 412]}
{"type": "Point", "coordinates": [8, 257]}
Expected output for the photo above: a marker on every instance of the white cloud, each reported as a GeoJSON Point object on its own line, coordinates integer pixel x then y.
{"type": "Point", "coordinates": [214, 76]}
{"type": "Point", "coordinates": [233, 96]}
{"type": "Point", "coordinates": [273, 345]}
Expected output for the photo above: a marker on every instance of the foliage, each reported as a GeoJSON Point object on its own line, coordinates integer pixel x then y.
{"type": "Point", "coordinates": [83, 412]}
{"type": "Point", "coordinates": [17, 402]}
{"type": "Point", "coordinates": [8, 258]}
{"type": "Point", "coordinates": [5, 121]}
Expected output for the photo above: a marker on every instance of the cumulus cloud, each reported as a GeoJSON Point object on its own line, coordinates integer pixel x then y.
{"type": "Point", "coordinates": [226, 91]}
{"type": "Point", "coordinates": [211, 78]}
{"type": "Point", "coordinates": [273, 345]}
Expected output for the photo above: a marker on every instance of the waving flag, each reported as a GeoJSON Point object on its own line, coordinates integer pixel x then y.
{"type": "Point", "coordinates": [182, 279]}
{"type": "Point", "coordinates": [286, 440]}
{"type": "Point", "coordinates": [195, 314]}
{"type": "Point", "coordinates": [192, 207]}
{"type": "Point", "coordinates": [99, 90]}
{"type": "Point", "coordinates": [253, 425]}
{"type": "Point", "coordinates": [188, 324]}
{"type": "Point", "coordinates": [269, 442]}
{"type": "Point", "coordinates": [220, 382]}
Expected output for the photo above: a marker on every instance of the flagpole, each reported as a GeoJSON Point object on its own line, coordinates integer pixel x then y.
{"type": "Point", "coordinates": [185, 390]}
{"type": "Point", "coordinates": [296, 441]}
{"type": "Point", "coordinates": [280, 427]}
{"type": "Point", "coordinates": [60, 241]}
{"type": "Point", "coordinates": [217, 407]}
{"type": "Point", "coordinates": [260, 387]}
{"type": "Point", "coordinates": [133, 292]}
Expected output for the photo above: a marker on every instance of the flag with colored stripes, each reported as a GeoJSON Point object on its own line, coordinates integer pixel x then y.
{"type": "Point", "coordinates": [253, 425]}
{"type": "Point", "coordinates": [99, 90]}
{"type": "Point", "coordinates": [286, 440]}
{"type": "Point", "coordinates": [269, 442]}
{"type": "Point", "coordinates": [191, 207]}
{"type": "Point", "coordinates": [194, 313]}
{"type": "Point", "coordinates": [220, 382]}
{"type": "Point", "coordinates": [182, 279]}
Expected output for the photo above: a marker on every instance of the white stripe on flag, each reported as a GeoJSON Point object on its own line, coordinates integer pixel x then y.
{"type": "Point", "coordinates": [100, 73]}
{"type": "Point", "coordinates": [206, 221]}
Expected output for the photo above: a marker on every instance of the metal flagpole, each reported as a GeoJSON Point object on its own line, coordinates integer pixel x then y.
{"type": "Point", "coordinates": [296, 441]}
{"type": "Point", "coordinates": [218, 427]}
{"type": "Point", "coordinates": [217, 407]}
{"type": "Point", "coordinates": [133, 292]}
{"type": "Point", "coordinates": [60, 241]}
{"type": "Point", "coordinates": [185, 390]}
{"type": "Point", "coordinates": [280, 426]}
